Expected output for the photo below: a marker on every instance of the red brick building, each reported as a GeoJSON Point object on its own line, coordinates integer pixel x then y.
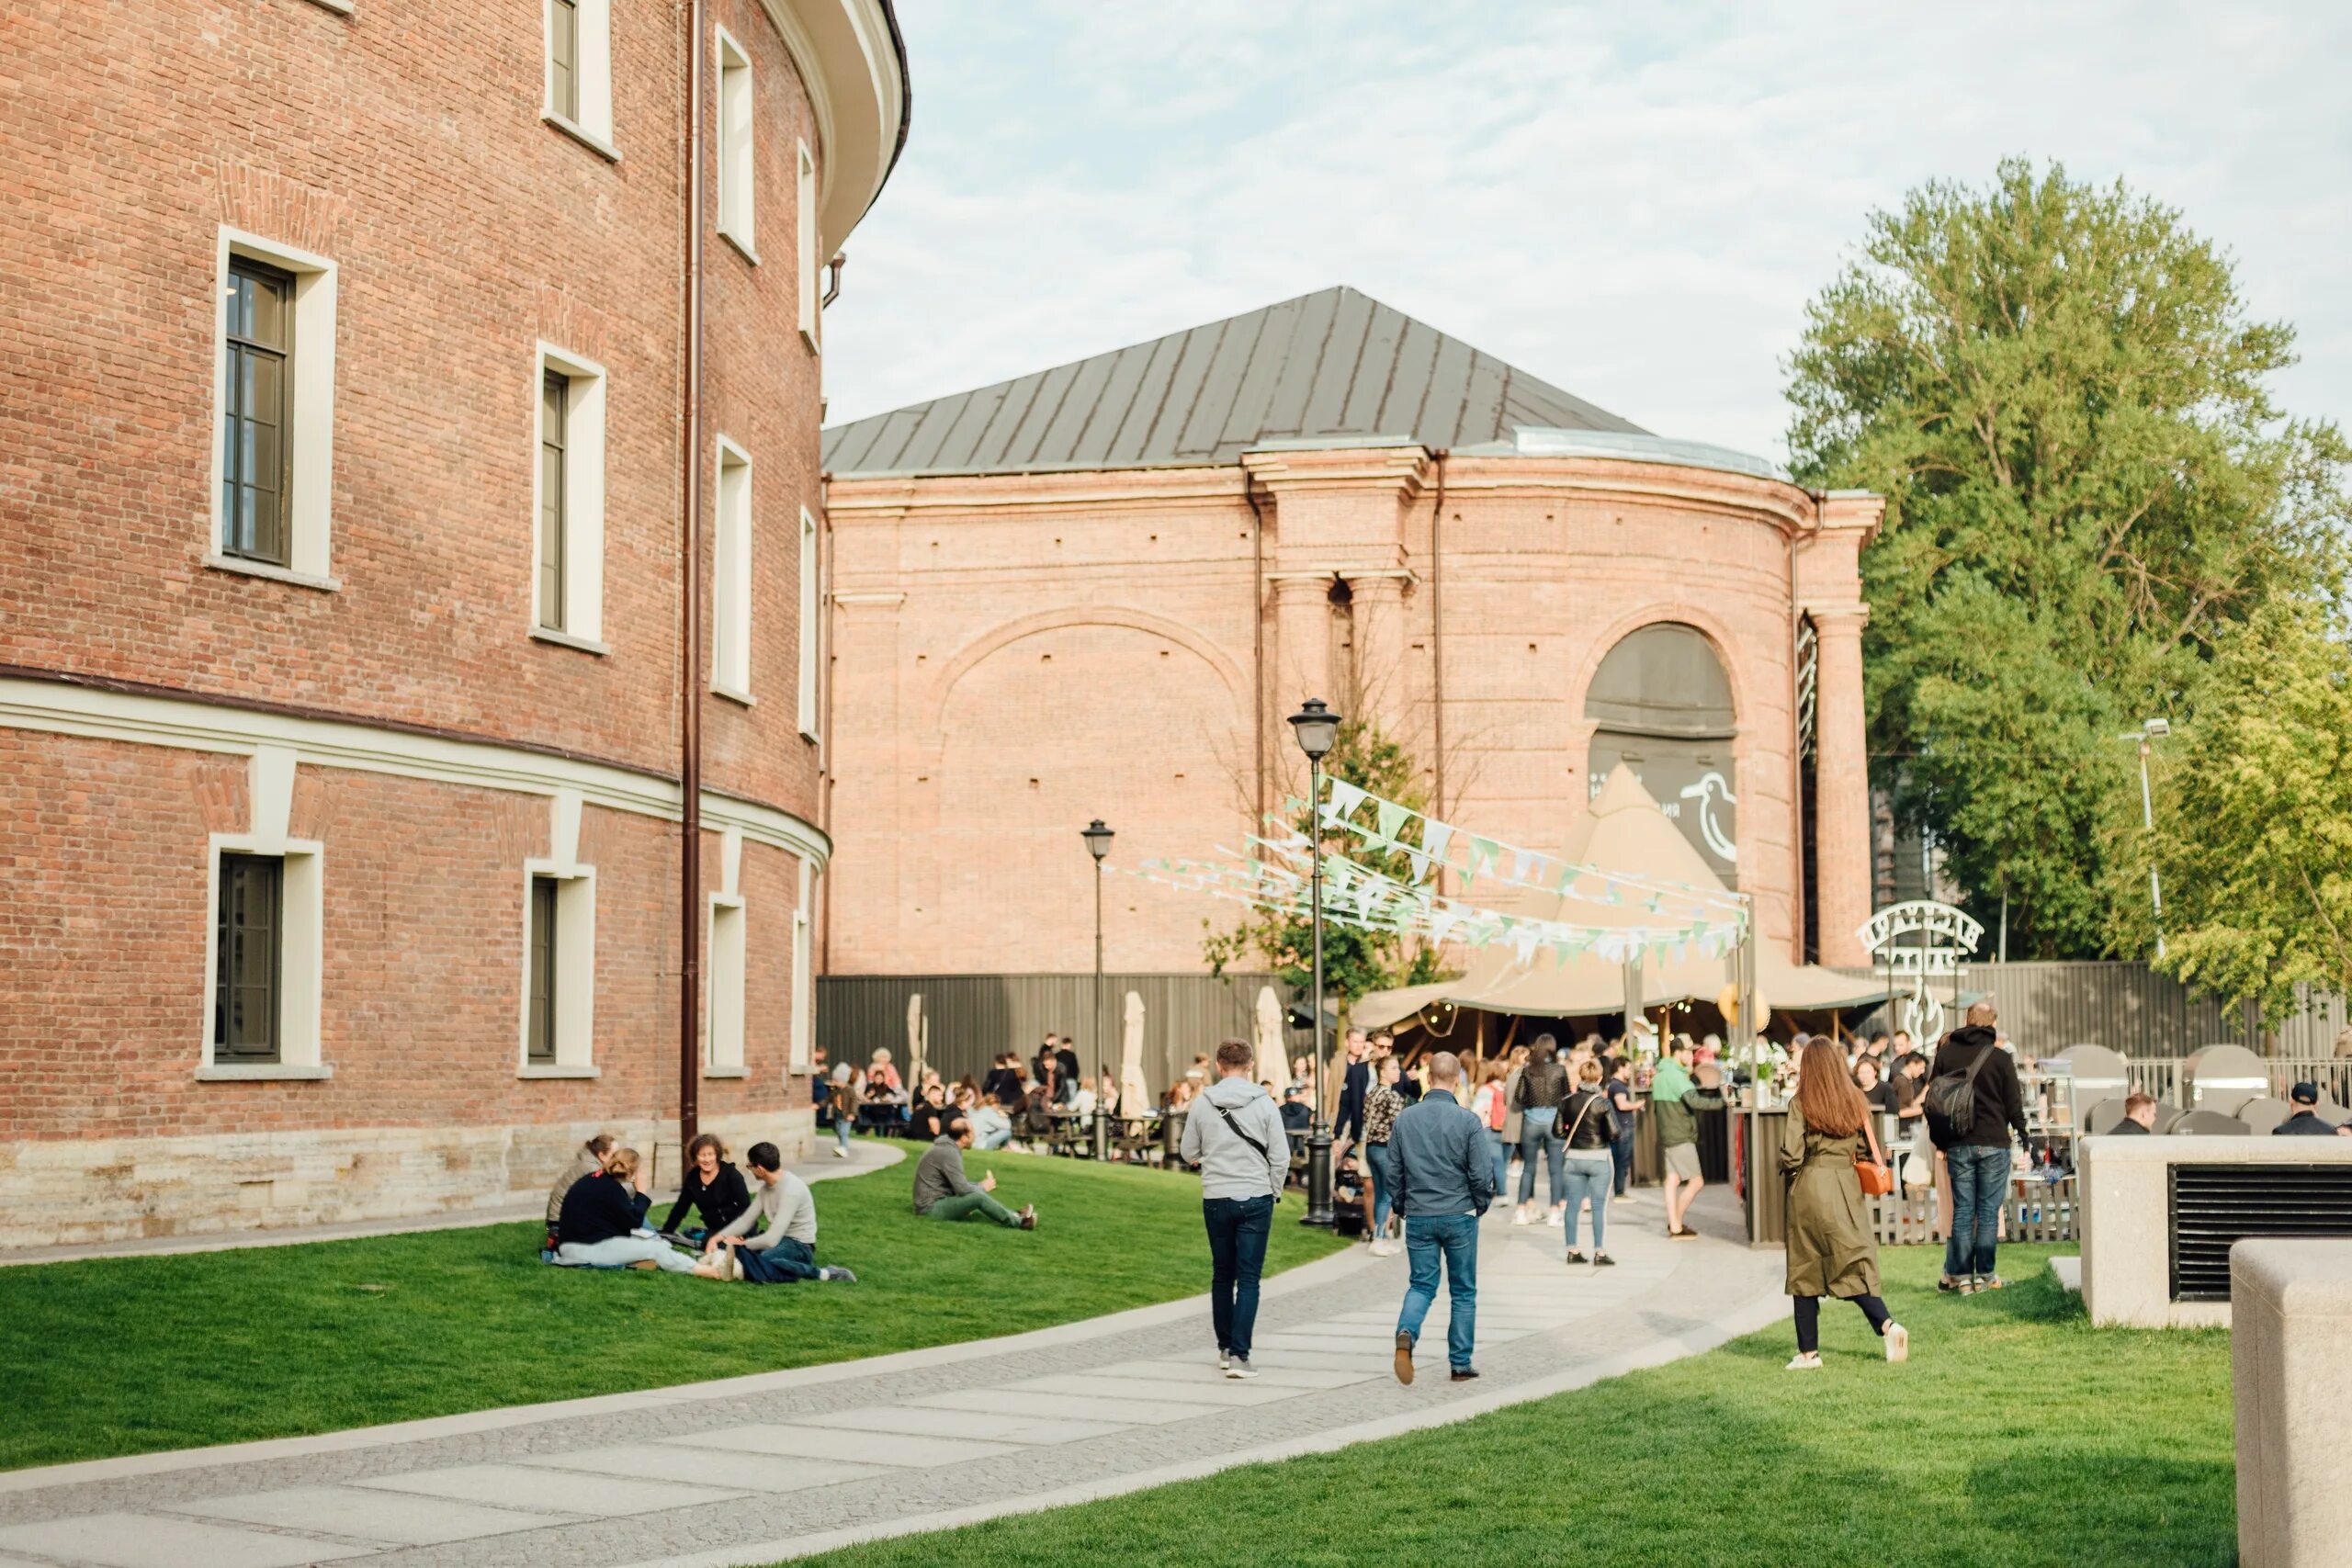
{"type": "Point", "coordinates": [1097, 591]}
{"type": "Point", "coordinates": [351, 406]}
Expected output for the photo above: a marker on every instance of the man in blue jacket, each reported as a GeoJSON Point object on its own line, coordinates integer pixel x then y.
{"type": "Point", "coordinates": [1445, 1180]}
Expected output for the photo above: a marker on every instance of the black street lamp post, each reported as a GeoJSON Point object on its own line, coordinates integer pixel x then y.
{"type": "Point", "coordinates": [1318, 727]}
{"type": "Point", "coordinates": [1098, 845]}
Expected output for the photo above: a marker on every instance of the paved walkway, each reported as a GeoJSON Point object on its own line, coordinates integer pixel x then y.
{"type": "Point", "coordinates": [866, 1154]}
{"type": "Point", "coordinates": [756, 1468]}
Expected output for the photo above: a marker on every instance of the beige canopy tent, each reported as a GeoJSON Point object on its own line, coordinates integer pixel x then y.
{"type": "Point", "coordinates": [1625, 831]}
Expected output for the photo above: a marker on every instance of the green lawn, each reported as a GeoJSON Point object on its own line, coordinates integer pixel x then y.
{"type": "Point", "coordinates": [2015, 1436]}
{"type": "Point", "coordinates": [128, 1355]}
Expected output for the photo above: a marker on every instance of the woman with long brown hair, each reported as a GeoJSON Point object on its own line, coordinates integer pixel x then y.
{"type": "Point", "coordinates": [1831, 1252]}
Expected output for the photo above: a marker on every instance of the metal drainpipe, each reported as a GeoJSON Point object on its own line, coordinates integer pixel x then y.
{"type": "Point", "coordinates": [1257, 635]}
{"type": "Point", "coordinates": [1437, 643]}
{"type": "Point", "coordinates": [1796, 763]}
{"type": "Point", "coordinates": [824, 728]}
{"type": "Point", "coordinates": [690, 693]}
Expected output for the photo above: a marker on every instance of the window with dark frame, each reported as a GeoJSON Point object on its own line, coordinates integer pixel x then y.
{"type": "Point", "coordinates": [555, 397]}
{"type": "Point", "coordinates": [256, 440]}
{"type": "Point", "coordinates": [246, 983]}
{"type": "Point", "coordinates": [563, 57]}
{"type": "Point", "coordinates": [540, 1034]}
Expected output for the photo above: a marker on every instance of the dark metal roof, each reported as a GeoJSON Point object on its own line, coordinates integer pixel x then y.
{"type": "Point", "coordinates": [1332, 364]}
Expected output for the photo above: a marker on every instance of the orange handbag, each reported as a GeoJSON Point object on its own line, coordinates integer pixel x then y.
{"type": "Point", "coordinates": [1876, 1176]}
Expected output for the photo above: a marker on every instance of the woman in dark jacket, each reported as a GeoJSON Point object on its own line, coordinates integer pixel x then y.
{"type": "Point", "coordinates": [711, 1187]}
{"type": "Point", "coordinates": [1831, 1252]}
{"type": "Point", "coordinates": [1536, 1096]}
{"type": "Point", "coordinates": [1591, 1166]}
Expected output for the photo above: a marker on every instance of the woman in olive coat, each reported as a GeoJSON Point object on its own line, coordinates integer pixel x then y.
{"type": "Point", "coordinates": [1830, 1250]}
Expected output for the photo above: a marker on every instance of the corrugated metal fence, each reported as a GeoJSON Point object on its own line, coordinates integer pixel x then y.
{"type": "Point", "coordinates": [973, 1017]}
{"type": "Point", "coordinates": [2130, 1008]}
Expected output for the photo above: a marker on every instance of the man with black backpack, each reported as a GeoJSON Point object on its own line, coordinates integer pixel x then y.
{"type": "Point", "coordinates": [1235, 1134]}
{"type": "Point", "coordinates": [1974, 1100]}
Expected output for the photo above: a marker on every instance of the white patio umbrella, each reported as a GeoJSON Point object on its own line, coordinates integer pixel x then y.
{"type": "Point", "coordinates": [1272, 1061]}
{"type": "Point", "coordinates": [918, 1033]}
{"type": "Point", "coordinates": [1134, 1095]}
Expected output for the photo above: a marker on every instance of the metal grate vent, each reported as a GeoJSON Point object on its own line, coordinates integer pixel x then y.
{"type": "Point", "coordinates": [2214, 1206]}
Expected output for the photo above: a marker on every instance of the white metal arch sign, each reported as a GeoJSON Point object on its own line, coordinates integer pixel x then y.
{"type": "Point", "coordinates": [1916, 940]}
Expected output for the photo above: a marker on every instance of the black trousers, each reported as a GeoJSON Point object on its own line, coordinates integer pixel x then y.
{"type": "Point", "coordinates": [1809, 1319]}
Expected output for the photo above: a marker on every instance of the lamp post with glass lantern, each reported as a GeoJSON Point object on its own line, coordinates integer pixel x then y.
{"type": "Point", "coordinates": [1317, 729]}
{"type": "Point", "coordinates": [1098, 845]}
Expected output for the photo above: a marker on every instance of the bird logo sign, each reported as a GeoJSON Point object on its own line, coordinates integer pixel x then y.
{"type": "Point", "coordinates": [1714, 798]}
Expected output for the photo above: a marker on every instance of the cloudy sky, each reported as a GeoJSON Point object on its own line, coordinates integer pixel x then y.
{"type": "Point", "coordinates": [1634, 202]}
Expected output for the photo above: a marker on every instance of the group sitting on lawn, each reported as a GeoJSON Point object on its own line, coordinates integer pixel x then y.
{"type": "Point", "coordinates": [597, 1217]}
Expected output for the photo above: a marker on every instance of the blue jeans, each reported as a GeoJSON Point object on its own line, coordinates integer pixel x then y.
{"type": "Point", "coordinates": [1540, 1130]}
{"type": "Point", "coordinates": [1588, 1178]}
{"type": "Point", "coordinates": [1237, 1231]}
{"type": "Point", "coordinates": [1383, 1185]}
{"type": "Point", "coordinates": [1980, 1185]}
{"type": "Point", "coordinates": [1621, 1151]}
{"type": "Point", "coordinates": [784, 1261]}
{"type": "Point", "coordinates": [1453, 1239]}
{"type": "Point", "coordinates": [841, 1132]}
{"type": "Point", "coordinates": [1501, 1151]}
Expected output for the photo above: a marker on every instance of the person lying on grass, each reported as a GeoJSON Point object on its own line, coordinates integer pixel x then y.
{"type": "Point", "coordinates": [786, 1249]}
{"type": "Point", "coordinates": [944, 1193]}
{"type": "Point", "coordinates": [603, 1222]}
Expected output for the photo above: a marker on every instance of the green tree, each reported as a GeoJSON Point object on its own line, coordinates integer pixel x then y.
{"type": "Point", "coordinates": [2059, 392]}
{"type": "Point", "coordinates": [1355, 961]}
{"type": "Point", "coordinates": [2255, 841]}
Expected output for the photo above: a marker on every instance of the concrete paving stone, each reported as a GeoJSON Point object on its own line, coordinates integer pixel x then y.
{"type": "Point", "coordinates": [1206, 1392]}
{"type": "Point", "coordinates": [1075, 1406]}
{"type": "Point", "coordinates": [565, 1491]}
{"type": "Point", "coordinates": [858, 1447]}
{"type": "Point", "coordinates": [710, 1467]}
{"type": "Point", "coordinates": [1266, 1357]}
{"type": "Point", "coordinates": [1313, 1344]}
{"type": "Point", "coordinates": [1000, 1425]}
{"type": "Point", "coordinates": [148, 1540]}
{"type": "Point", "coordinates": [366, 1515]}
{"type": "Point", "coordinates": [1269, 1374]}
{"type": "Point", "coordinates": [1340, 1333]}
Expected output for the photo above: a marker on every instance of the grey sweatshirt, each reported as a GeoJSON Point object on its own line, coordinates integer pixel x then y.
{"type": "Point", "coordinates": [787, 1208]}
{"type": "Point", "coordinates": [940, 1174]}
{"type": "Point", "coordinates": [1229, 1166]}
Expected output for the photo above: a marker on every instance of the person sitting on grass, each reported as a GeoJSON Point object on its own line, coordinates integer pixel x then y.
{"type": "Point", "coordinates": [991, 1128]}
{"type": "Point", "coordinates": [712, 1187]}
{"type": "Point", "coordinates": [594, 1158]}
{"type": "Point", "coordinates": [602, 1223]}
{"type": "Point", "coordinates": [930, 1113]}
{"type": "Point", "coordinates": [944, 1193]}
{"type": "Point", "coordinates": [786, 1249]}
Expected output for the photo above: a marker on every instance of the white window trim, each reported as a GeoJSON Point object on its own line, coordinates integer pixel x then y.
{"type": "Point", "coordinates": [575, 974]}
{"type": "Point", "coordinates": [310, 394]}
{"type": "Point", "coordinates": [803, 980]}
{"type": "Point", "coordinates": [804, 239]}
{"type": "Point", "coordinates": [725, 931]}
{"type": "Point", "coordinates": [812, 600]}
{"type": "Point", "coordinates": [301, 951]}
{"type": "Point", "coordinates": [594, 70]}
{"type": "Point", "coordinates": [738, 179]}
{"type": "Point", "coordinates": [730, 578]}
{"type": "Point", "coordinates": [583, 513]}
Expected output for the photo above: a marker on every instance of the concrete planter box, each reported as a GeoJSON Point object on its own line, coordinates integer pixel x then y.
{"type": "Point", "coordinates": [2290, 1320]}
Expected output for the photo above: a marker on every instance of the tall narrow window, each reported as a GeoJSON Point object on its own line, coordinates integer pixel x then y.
{"type": "Point", "coordinates": [563, 57]}
{"type": "Point", "coordinates": [812, 600]}
{"type": "Point", "coordinates": [555, 395]}
{"type": "Point", "coordinates": [246, 986]}
{"type": "Point", "coordinates": [804, 226]}
{"type": "Point", "coordinates": [724, 1050]}
{"type": "Point", "coordinates": [730, 584]}
{"type": "Point", "coordinates": [256, 442]}
{"type": "Point", "coordinates": [735, 178]}
{"type": "Point", "coordinates": [539, 1028]}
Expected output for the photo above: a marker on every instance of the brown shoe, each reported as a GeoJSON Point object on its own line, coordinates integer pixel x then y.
{"type": "Point", "coordinates": [645, 1263]}
{"type": "Point", "coordinates": [1029, 1217]}
{"type": "Point", "coordinates": [1404, 1357]}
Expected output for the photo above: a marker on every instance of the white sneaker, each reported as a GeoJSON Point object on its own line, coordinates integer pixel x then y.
{"type": "Point", "coordinates": [1240, 1369]}
{"type": "Point", "coordinates": [839, 1153]}
{"type": "Point", "coordinates": [1224, 1361]}
{"type": "Point", "coordinates": [1553, 1219]}
{"type": "Point", "coordinates": [1898, 1342]}
{"type": "Point", "coordinates": [1804, 1361]}
{"type": "Point", "coordinates": [1519, 1217]}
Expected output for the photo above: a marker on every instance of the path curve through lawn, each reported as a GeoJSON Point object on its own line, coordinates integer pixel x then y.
{"type": "Point", "coordinates": [757, 1468]}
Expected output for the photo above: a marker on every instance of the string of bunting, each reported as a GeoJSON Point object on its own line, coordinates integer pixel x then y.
{"type": "Point", "coordinates": [1435, 845]}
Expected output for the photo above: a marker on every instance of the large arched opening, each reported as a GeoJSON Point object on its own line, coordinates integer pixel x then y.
{"type": "Point", "coordinates": [1661, 702]}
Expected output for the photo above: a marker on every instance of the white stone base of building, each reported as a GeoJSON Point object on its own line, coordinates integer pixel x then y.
{"type": "Point", "coordinates": [77, 1191]}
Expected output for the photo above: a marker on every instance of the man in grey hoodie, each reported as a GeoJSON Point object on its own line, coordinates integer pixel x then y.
{"type": "Point", "coordinates": [1234, 1133]}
